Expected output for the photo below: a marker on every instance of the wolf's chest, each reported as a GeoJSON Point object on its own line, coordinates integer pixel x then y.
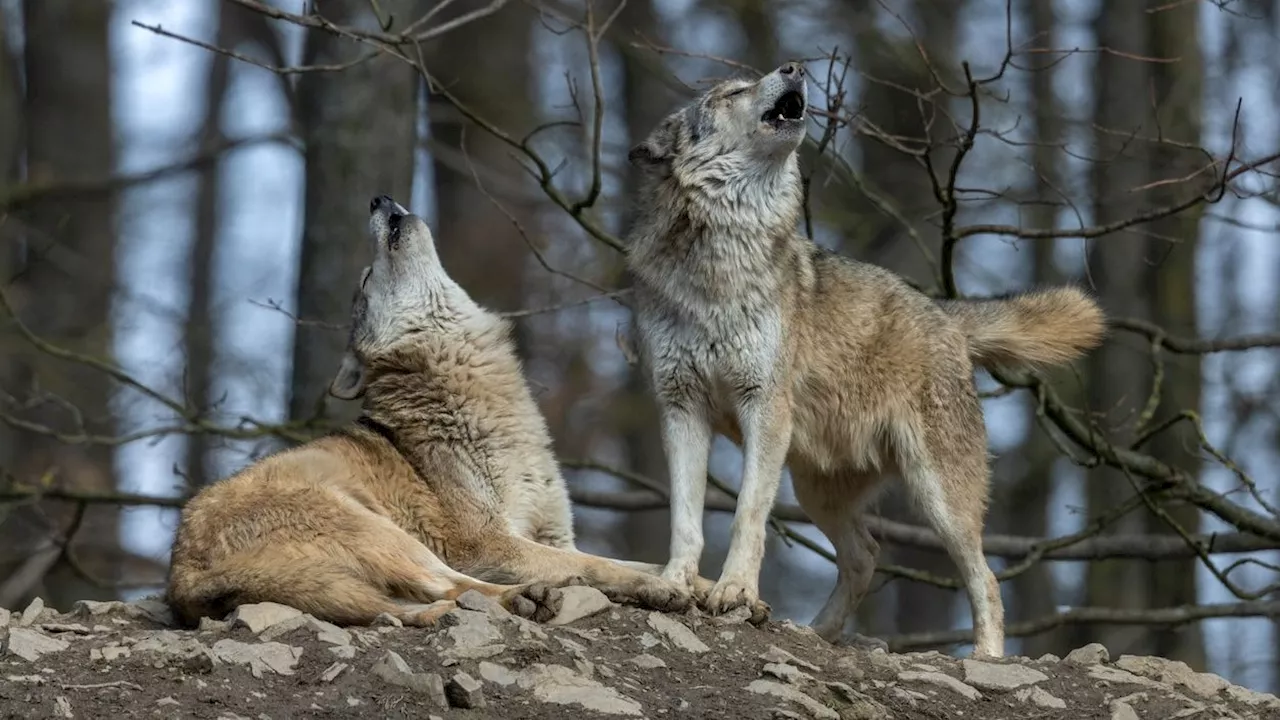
{"type": "Point", "coordinates": [723, 350]}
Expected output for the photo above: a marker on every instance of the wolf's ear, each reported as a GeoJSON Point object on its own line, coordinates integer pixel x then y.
{"type": "Point", "coordinates": [348, 384]}
{"type": "Point", "coordinates": [657, 148]}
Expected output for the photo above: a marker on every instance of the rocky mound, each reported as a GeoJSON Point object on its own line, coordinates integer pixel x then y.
{"type": "Point", "coordinates": [594, 660]}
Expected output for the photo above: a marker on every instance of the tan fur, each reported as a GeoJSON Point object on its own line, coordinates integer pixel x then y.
{"type": "Point", "coordinates": [447, 484]}
{"type": "Point", "coordinates": [837, 368]}
{"type": "Point", "coordinates": [1046, 327]}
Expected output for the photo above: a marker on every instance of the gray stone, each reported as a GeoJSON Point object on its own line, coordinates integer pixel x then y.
{"type": "Point", "coordinates": [562, 686]}
{"type": "Point", "coordinates": [62, 707]}
{"type": "Point", "coordinates": [861, 706]}
{"type": "Point", "coordinates": [394, 670]}
{"type": "Point", "coordinates": [469, 629]}
{"type": "Point", "coordinates": [1173, 672]}
{"type": "Point", "coordinates": [1252, 697]}
{"type": "Point", "coordinates": [30, 644]}
{"type": "Point", "coordinates": [1039, 696]}
{"type": "Point", "coordinates": [786, 692]}
{"type": "Point", "coordinates": [332, 672]}
{"type": "Point", "coordinates": [1117, 675]}
{"type": "Point", "coordinates": [464, 691]}
{"type": "Point", "coordinates": [679, 635]}
{"type": "Point", "coordinates": [647, 661]}
{"type": "Point", "coordinates": [31, 612]}
{"type": "Point", "coordinates": [4, 618]}
{"type": "Point", "coordinates": [156, 611]}
{"type": "Point", "coordinates": [208, 624]}
{"type": "Point", "coordinates": [1091, 654]}
{"type": "Point", "coordinates": [344, 652]}
{"type": "Point", "coordinates": [940, 680]}
{"type": "Point", "coordinates": [497, 674]}
{"type": "Point", "coordinates": [75, 628]}
{"type": "Point", "coordinates": [1049, 658]}
{"type": "Point", "coordinates": [776, 654]}
{"type": "Point", "coordinates": [786, 673]}
{"type": "Point", "coordinates": [260, 616]}
{"type": "Point", "coordinates": [999, 676]}
{"type": "Point", "coordinates": [94, 608]}
{"type": "Point", "coordinates": [327, 632]}
{"type": "Point", "coordinates": [282, 628]}
{"type": "Point", "coordinates": [479, 602]}
{"type": "Point", "coordinates": [579, 601]}
{"type": "Point", "coordinates": [275, 657]}
{"type": "Point", "coordinates": [1123, 711]}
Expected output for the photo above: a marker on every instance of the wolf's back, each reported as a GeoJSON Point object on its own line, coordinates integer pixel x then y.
{"type": "Point", "coordinates": [1039, 328]}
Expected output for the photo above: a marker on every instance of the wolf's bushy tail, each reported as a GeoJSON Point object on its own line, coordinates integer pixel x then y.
{"type": "Point", "coordinates": [1038, 328]}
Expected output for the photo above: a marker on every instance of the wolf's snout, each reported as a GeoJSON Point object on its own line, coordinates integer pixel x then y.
{"type": "Point", "coordinates": [384, 203]}
{"type": "Point", "coordinates": [792, 68]}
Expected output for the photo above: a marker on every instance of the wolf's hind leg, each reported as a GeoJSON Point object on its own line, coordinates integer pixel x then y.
{"type": "Point", "coordinates": [835, 504]}
{"type": "Point", "coordinates": [948, 479]}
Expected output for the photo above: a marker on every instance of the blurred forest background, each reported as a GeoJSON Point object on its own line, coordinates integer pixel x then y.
{"type": "Point", "coordinates": [184, 187]}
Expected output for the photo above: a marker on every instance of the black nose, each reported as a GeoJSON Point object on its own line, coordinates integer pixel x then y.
{"type": "Point", "coordinates": [792, 68]}
{"type": "Point", "coordinates": [381, 201]}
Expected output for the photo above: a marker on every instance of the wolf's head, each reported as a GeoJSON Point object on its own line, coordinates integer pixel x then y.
{"type": "Point", "coordinates": [736, 127]}
{"type": "Point", "coordinates": [403, 297]}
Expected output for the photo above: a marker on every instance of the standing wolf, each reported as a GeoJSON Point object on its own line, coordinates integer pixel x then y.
{"type": "Point", "coordinates": [836, 368]}
{"type": "Point", "coordinates": [446, 483]}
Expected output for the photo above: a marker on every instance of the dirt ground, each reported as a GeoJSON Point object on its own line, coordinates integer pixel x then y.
{"type": "Point", "coordinates": [112, 660]}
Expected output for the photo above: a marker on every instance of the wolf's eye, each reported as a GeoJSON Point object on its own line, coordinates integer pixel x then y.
{"type": "Point", "coordinates": [737, 92]}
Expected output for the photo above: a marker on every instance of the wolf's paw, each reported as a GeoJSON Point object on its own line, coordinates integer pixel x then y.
{"type": "Point", "coordinates": [537, 601]}
{"type": "Point", "coordinates": [728, 594]}
{"type": "Point", "coordinates": [702, 589]}
{"type": "Point", "coordinates": [658, 594]}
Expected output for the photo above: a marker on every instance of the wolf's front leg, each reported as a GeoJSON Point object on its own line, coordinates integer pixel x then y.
{"type": "Point", "coordinates": [766, 435]}
{"type": "Point", "coordinates": [686, 439]}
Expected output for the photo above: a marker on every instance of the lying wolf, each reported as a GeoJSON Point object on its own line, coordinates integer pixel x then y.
{"type": "Point", "coordinates": [446, 483]}
{"type": "Point", "coordinates": [836, 368]}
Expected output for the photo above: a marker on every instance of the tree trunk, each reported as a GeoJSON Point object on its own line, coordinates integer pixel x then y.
{"type": "Point", "coordinates": [1027, 498]}
{"type": "Point", "coordinates": [200, 324]}
{"type": "Point", "coordinates": [359, 130]}
{"type": "Point", "coordinates": [1120, 375]}
{"type": "Point", "coordinates": [1178, 88]}
{"type": "Point", "coordinates": [64, 284]}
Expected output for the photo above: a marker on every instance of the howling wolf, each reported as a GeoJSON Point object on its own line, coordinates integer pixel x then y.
{"type": "Point", "coordinates": [838, 369]}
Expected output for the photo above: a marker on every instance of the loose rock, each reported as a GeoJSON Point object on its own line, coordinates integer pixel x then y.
{"type": "Point", "coordinates": [580, 601]}
{"type": "Point", "coordinates": [679, 635]}
{"type": "Point", "coordinates": [786, 673]}
{"type": "Point", "coordinates": [31, 612]}
{"type": "Point", "coordinates": [393, 669]}
{"type": "Point", "coordinates": [776, 654]}
{"type": "Point", "coordinates": [275, 657]}
{"type": "Point", "coordinates": [30, 644]}
{"type": "Point", "coordinates": [464, 691]}
{"type": "Point", "coordinates": [497, 674]}
{"type": "Point", "coordinates": [786, 692]}
{"type": "Point", "coordinates": [562, 686]}
{"type": "Point", "coordinates": [1000, 676]}
{"type": "Point", "coordinates": [647, 661]}
{"type": "Point", "coordinates": [479, 602]}
{"type": "Point", "coordinates": [1173, 672]}
{"type": "Point", "coordinates": [945, 681]}
{"type": "Point", "coordinates": [1091, 654]}
{"type": "Point", "coordinates": [260, 616]}
{"type": "Point", "coordinates": [1041, 697]}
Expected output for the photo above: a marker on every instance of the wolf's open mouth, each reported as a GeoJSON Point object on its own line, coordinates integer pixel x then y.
{"type": "Point", "coordinates": [789, 107]}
